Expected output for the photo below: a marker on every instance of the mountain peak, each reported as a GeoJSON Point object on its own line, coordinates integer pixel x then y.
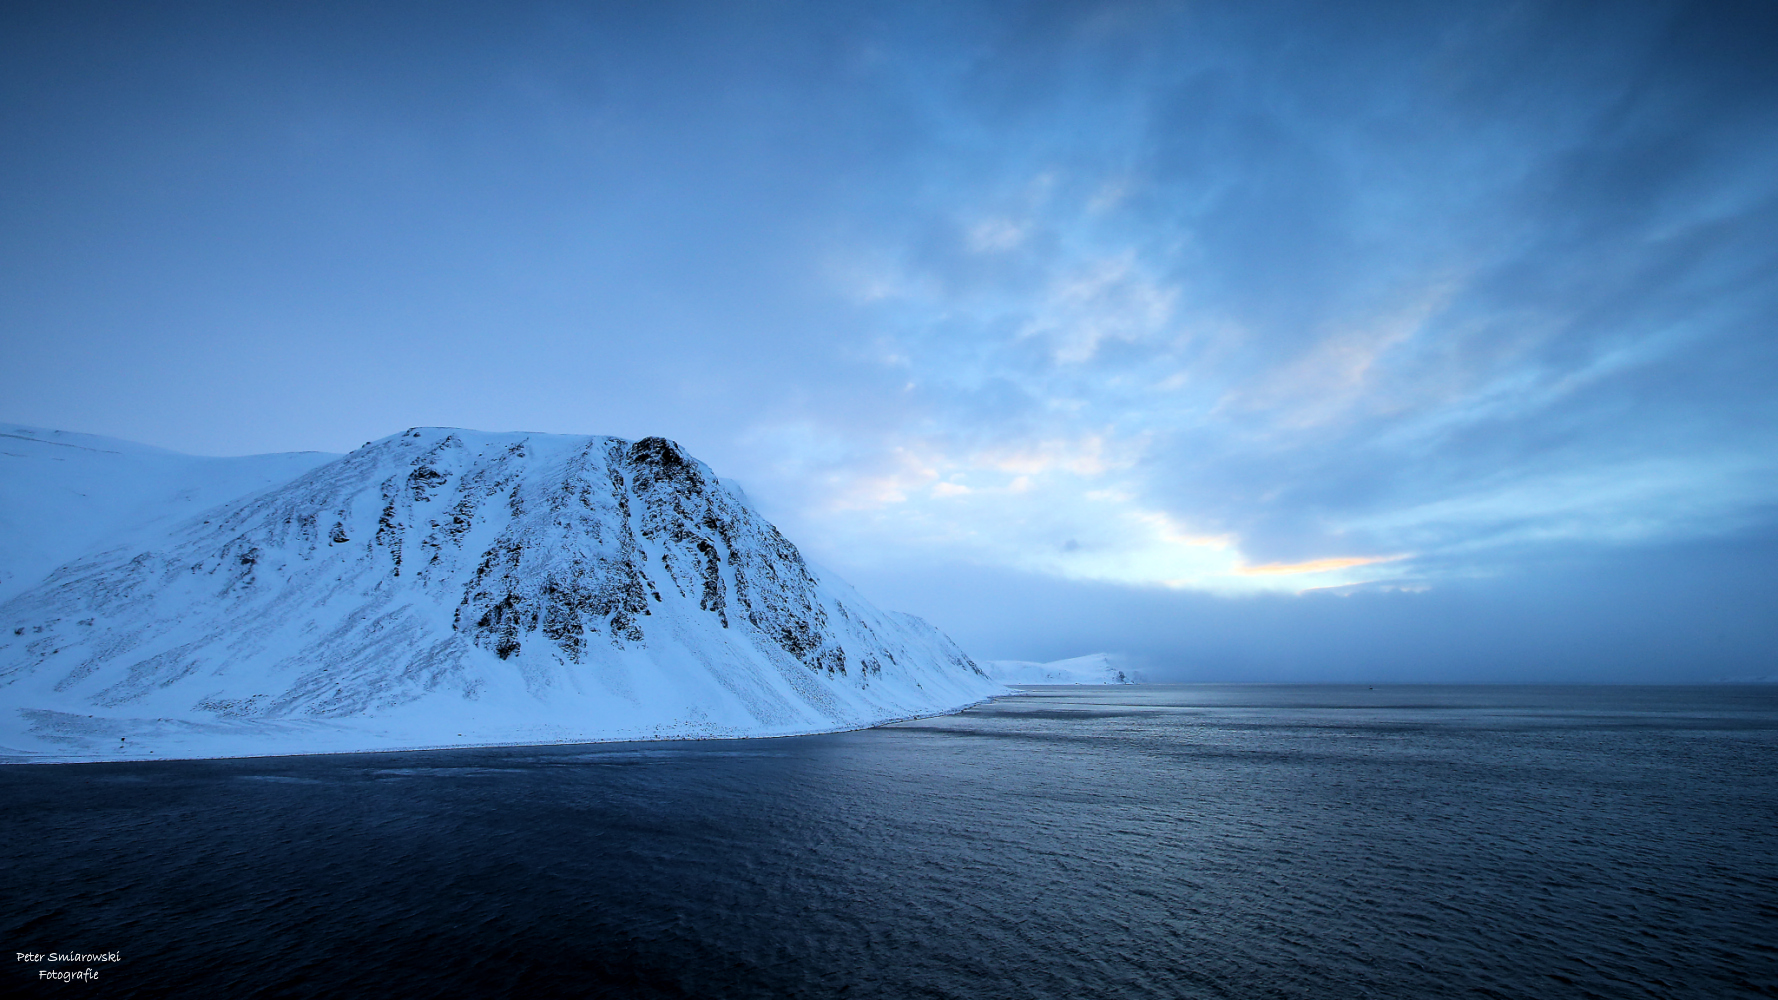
{"type": "Point", "coordinates": [602, 588]}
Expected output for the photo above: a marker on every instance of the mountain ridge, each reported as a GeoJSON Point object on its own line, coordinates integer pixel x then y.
{"type": "Point", "coordinates": [442, 582]}
{"type": "Point", "coordinates": [65, 494]}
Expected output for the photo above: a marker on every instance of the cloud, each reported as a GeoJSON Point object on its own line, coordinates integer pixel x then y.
{"type": "Point", "coordinates": [1315, 565]}
{"type": "Point", "coordinates": [1098, 301]}
{"type": "Point", "coordinates": [1419, 293]}
{"type": "Point", "coordinates": [1679, 613]}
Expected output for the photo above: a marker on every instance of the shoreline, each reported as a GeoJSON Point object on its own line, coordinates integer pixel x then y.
{"type": "Point", "coordinates": [47, 760]}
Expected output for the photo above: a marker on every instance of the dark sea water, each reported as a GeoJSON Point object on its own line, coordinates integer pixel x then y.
{"type": "Point", "coordinates": [1156, 841]}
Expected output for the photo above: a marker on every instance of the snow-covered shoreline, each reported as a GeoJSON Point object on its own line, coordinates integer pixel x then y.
{"type": "Point", "coordinates": [10, 758]}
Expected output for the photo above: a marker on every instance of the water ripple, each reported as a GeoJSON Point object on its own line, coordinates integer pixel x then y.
{"type": "Point", "coordinates": [1143, 842]}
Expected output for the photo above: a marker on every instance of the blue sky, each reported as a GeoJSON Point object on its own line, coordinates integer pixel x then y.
{"type": "Point", "coordinates": [1255, 341]}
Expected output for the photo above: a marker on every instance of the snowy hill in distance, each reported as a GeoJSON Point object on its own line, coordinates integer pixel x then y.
{"type": "Point", "coordinates": [63, 495]}
{"type": "Point", "coordinates": [438, 587]}
{"type": "Point", "coordinates": [1094, 668]}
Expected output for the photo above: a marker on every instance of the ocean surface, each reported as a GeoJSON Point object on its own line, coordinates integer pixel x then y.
{"type": "Point", "coordinates": [1151, 841]}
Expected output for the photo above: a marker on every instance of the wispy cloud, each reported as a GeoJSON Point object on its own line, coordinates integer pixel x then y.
{"type": "Point", "coordinates": [1322, 329]}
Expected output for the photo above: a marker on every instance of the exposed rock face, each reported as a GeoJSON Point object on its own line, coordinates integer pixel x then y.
{"type": "Point", "coordinates": [594, 587]}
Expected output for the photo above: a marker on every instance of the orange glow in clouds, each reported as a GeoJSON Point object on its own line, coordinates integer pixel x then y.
{"type": "Point", "coordinates": [1313, 565]}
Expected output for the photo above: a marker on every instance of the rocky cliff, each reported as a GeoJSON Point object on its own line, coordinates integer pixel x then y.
{"type": "Point", "coordinates": [448, 587]}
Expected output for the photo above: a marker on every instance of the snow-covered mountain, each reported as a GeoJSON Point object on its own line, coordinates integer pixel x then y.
{"type": "Point", "coordinates": [444, 587]}
{"type": "Point", "coordinates": [63, 495]}
{"type": "Point", "coordinates": [1093, 668]}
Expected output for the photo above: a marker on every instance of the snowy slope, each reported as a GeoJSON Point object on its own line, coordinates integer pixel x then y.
{"type": "Point", "coordinates": [1094, 668]}
{"type": "Point", "coordinates": [444, 587]}
{"type": "Point", "coordinates": [63, 494]}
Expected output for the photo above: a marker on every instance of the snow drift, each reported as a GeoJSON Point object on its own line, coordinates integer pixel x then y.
{"type": "Point", "coordinates": [443, 588]}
